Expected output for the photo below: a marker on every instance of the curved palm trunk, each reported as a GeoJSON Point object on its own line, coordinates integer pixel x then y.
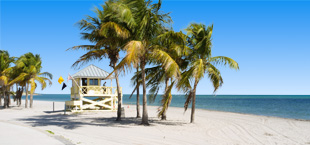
{"type": "Point", "coordinates": [164, 116]}
{"type": "Point", "coordinates": [138, 97]}
{"type": "Point", "coordinates": [26, 99]}
{"type": "Point", "coordinates": [119, 96]}
{"type": "Point", "coordinates": [145, 118]}
{"type": "Point", "coordinates": [194, 102]}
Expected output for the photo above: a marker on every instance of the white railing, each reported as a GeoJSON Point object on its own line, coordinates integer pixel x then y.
{"type": "Point", "coordinates": [96, 91]}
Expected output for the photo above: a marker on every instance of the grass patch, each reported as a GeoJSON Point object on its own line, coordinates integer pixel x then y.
{"type": "Point", "coordinates": [77, 113]}
{"type": "Point", "coordinates": [50, 132]}
{"type": "Point", "coordinates": [268, 134]}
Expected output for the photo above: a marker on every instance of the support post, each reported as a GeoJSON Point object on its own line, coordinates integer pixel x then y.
{"type": "Point", "coordinates": [112, 104]}
{"type": "Point", "coordinates": [65, 109]}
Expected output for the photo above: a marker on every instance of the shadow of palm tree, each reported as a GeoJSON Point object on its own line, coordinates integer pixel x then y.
{"type": "Point", "coordinates": [75, 121]}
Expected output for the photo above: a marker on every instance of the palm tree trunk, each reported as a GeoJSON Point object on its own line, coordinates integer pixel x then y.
{"type": "Point", "coordinates": [164, 116]}
{"type": "Point", "coordinates": [20, 97]}
{"type": "Point", "coordinates": [119, 96]}
{"type": "Point", "coordinates": [26, 99]}
{"type": "Point", "coordinates": [145, 118]}
{"type": "Point", "coordinates": [1, 96]}
{"type": "Point", "coordinates": [138, 97]}
{"type": "Point", "coordinates": [194, 102]}
{"type": "Point", "coordinates": [16, 99]}
{"type": "Point", "coordinates": [31, 100]}
{"type": "Point", "coordinates": [4, 97]}
{"type": "Point", "coordinates": [9, 96]}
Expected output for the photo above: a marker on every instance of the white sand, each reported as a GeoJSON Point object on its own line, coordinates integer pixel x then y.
{"type": "Point", "coordinates": [211, 127]}
{"type": "Point", "coordinates": [19, 135]}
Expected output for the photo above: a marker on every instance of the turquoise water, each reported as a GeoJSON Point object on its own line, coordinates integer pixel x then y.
{"type": "Point", "coordinates": [285, 106]}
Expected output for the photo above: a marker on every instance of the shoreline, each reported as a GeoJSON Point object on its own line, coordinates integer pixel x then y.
{"type": "Point", "coordinates": [205, 110]}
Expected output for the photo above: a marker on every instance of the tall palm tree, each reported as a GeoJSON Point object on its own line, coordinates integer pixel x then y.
{"type": "Point", "coordinates": [5, 70]}
{"type": "Point", "coordinates": [148, 22]}
{"type": "Point", "coordinates": [108, 35]}
{"type": "Point", "coordinates": [201, 62]}
{"type": "Point", "coordinates": [174, 43]}
{"type": "Point", "coordinates": [31, 66]}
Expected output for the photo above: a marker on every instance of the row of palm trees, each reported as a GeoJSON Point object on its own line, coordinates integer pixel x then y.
{"type": "Point", "coordinates": [144, 32]}
{"type": "Point", "coordinates": [25, 75]}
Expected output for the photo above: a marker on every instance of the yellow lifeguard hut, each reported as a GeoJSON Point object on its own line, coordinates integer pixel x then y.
{"type": "Point", "coordinates": [88, 91]}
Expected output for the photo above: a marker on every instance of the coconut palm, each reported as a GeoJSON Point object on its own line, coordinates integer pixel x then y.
{"type": "Point", "coordinates": [5, 72]}
{"type": "Point", "coordinates": [201, 62]}
{"type": "Point", "coordinates": [31, 73]}
{"type": "Point", "coordinates": [174, 43]}
{"type": "Point", "coordinates": [148, 22]}
{"type": "Point", "coordinates": [108, 35]}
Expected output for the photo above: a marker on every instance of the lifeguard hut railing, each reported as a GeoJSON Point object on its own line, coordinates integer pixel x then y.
{"type": "Point", "coordinates": [94, 91]}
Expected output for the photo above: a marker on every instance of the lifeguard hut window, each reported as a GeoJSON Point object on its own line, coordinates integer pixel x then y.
{"type": "Point", "coordinates": [93, 82]}
{"type": "Point", "coordinates": [84, 81]}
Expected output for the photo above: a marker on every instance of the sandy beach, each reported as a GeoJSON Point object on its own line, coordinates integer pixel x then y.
{"type": "Point", "coordinates": [92, 128]}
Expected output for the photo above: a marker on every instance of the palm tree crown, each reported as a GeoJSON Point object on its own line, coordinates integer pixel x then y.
{"type": "Point", "coordinates": [31, 66]}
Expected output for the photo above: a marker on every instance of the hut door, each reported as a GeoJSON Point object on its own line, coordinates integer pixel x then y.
{"type": "Point", "coordinates": [84, 83]}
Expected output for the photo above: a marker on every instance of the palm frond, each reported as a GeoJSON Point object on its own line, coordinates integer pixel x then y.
{"type": "Point", "coordinates": [215, 76]}
{"type": "Point", "coordinates": [120, 31]}
{"type": "Point", "coordinates": [168, 63]}
{"type": "Point", "coordinates": [90, 56]}
{"type": "Point", "coordinates": [189, 96]}
{"type": "Point", "coordinates": [223, 60]}
{"type": "Point", "coordinates": [199, 68]}
{"type": "Point", "coordinates": [46, 74]}
{"type": "Point", "coordinates": [83, 47]}
{"type": "Point", "coordinates": [166, 100]}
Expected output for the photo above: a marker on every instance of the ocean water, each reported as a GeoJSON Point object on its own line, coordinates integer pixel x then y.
{"type": "Point", "coordinates": [285, 106]}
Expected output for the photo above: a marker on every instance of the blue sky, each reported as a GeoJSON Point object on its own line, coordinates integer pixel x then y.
{"type": "Point", "coordinates": [269, 40]}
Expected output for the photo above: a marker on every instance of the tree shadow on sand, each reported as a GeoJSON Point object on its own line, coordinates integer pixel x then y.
{"type": "Point", "coordinates": [76, 121]}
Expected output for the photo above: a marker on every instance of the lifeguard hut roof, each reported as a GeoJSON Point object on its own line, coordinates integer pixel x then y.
{"type": "Point", "coordinates": [92, 71]}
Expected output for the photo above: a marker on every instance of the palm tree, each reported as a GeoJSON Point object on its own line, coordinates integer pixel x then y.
{"type": "Point", "coordinates": [108, 35]}
{"type": "Point", "coordinates": [174, 43]}
{"type": "Point", "coordinates": [5, 70]}
{"type": "Point", "coordinates": [148, 22]}
{"type": "Point", "coordinates": [31, 73]}
{"type": "Point", "coordinates": [201, 62]}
